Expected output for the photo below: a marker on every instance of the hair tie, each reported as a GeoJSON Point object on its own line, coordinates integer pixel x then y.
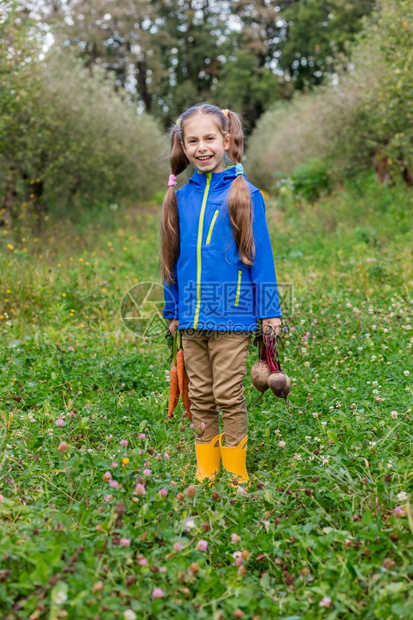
{"type": "Point", "coordinates": [172, 180]}
{"type": "Point", "coordinates": [225, 112]}
{"type": "Point", "coordinates": [239, 169]}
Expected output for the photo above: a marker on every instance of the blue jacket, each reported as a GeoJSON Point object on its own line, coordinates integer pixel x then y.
{"type": "Point", "coordinates": [214, 290]}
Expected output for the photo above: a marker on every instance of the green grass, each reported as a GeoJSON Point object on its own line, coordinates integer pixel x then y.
{"type": "Point", "coordinates": [318, 516]}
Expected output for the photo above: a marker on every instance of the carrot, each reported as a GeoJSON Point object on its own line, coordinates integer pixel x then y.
{"type": "Point", "coordinates": [185, 395]}
{"type": "Point", "coordinates": [180, 364]}
{"type": "Point", "coordinates": [173, 390]}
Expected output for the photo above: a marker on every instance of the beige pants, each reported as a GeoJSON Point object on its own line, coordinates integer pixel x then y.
{"type": "Point", "coordinates": [216, 366]}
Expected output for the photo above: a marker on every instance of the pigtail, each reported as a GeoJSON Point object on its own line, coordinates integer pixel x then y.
{"type": "Point", "coordinates": [239, 200]}
{"type": "Point", "coordinates": [170, 216]}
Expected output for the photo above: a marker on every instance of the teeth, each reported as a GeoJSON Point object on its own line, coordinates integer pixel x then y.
{"type": "Point", "coordinates": [207, 157]}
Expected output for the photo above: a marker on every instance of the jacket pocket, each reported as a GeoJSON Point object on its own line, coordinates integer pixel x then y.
{"type": "Point", "coordinates": [211, 227]}
{"type": "Point", "coordinates": [238, 287]}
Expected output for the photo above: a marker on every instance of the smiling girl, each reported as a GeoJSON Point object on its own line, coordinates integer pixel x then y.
{"type": "Point", "coordinates": [219, 278]}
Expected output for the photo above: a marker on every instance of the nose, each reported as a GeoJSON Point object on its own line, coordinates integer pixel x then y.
{"type": "Point", "coordinates": [202, 146]}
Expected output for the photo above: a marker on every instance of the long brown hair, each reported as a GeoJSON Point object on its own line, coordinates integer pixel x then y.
{"type": "Point", "coordinates": [239, 199]}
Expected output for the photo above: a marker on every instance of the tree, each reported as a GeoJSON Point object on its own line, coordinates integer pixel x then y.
{"type": "Point", "coordinates": [315, 34]}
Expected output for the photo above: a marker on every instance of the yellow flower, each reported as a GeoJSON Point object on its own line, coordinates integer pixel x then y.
{"type": "Point", "coordinates": [125, 461]}
{"type": "Point", "coordinates": [63, 294]}
{"type": "Point", "coordinates": [10, 246]}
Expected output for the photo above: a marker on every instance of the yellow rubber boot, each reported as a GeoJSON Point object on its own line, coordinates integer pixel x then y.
{"type": "Point", "coordinates": [234, 460]}
{"type": "Point", "coordinates": [207, 459]}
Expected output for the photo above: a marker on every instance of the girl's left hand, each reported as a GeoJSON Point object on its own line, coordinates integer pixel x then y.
{"type": "Point", "coordinates": [274, 322]}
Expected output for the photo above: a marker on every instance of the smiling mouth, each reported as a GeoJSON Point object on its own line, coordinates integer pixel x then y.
{"type": "Point", "coordinates": [205, 158]}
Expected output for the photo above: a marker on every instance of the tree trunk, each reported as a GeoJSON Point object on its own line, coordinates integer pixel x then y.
{"type": "Point", "coordinates": [141, 70]}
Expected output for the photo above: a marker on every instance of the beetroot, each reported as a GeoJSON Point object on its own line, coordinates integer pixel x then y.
{"type": "Point", "coordinates": [260, 373]}
{"type": "Point", "coordinates": [267, 373]}
{"type": "Point", "coordinates": [280, 384]}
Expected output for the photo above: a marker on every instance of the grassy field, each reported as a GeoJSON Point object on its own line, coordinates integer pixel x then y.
{"type": "Point", "coordinates": [98, 516]}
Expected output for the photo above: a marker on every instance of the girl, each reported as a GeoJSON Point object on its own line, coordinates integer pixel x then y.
{"type": "Point", "coordinates": [219, 278]}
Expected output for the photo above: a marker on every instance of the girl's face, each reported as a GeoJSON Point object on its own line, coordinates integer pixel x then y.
{"type": "Point", "coordinates": [203, 143]}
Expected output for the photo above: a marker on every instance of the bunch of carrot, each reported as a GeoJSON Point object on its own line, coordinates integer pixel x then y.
{"type": "Point", "coordinates": [179, 381]}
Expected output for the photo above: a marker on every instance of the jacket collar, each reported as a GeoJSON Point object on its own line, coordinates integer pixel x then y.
{"type": "Point", "coordinates": [219, 180]}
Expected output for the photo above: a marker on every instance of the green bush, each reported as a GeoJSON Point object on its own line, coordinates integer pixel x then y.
{"type": "Point", "coordinates": [66, 136]}
{"type": "Point", "coordinates": [311, 179]}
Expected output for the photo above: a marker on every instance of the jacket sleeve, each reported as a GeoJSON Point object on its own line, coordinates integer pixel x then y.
{"type": "Point", "coordinates": [263, 270]}
{"type": "Point", "coordinates": [171, 296]}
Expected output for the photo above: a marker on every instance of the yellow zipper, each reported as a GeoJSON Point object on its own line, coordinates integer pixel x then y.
{"type": "Point", "coordinates": [238, 287]}
{"type": "Point", "coordinates": [198, 250]}
{"type": "Point", "coordinates": [211, 227]}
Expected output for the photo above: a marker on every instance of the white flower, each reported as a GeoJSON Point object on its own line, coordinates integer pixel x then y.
{"type": "Point", "coordinates": [297, 457]}
{"type": "Point", "coordinates": [402, 496]}
{"type": "Point", "coordinates": [406, 373]}
{"type": "Point", "coordinates": [375, 383]}
{"type": "Point", "coordinates": [317, 439]}
{"type": "Point", "coordinates": [129, 614]}
{"type": "Point", "coordinates": [308, 437]}
{"type": "Point", "coordinates": [323, 423]}
{"type": "Point", "coordinates": [389, 465]}
{"type": "Point", "coordinates": [189, 523]}
{"type": "Point", "coordinates": [60, 597]}
{"type": "Point", "coordinates": [372, 444]}
{"type": "Point", "coordinates": [394, 414]}
{"type": "Point", "coordinates": [326, 460]}
{"type": "Point", "coordinates": [281, 444]}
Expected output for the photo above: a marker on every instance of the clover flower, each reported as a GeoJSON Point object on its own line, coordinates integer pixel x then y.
{"type": "Point", "coordinates": [124, 542]}
{"type": "Point", "coordinates": [399, 512]}
{"type": "Point", "coordinates": [158, 593]}
{"type": "Point", "coordinates": [142, 561]}
{"type": "Point", "coordinates": [202, 545]}
{"type": "Point", "coordinates": [140, 489]}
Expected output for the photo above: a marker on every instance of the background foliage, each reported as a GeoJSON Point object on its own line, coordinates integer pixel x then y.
{"type": "Point", "coordinates": [362, 121]}
{"type": "Point", "coordinates": [66, 137]}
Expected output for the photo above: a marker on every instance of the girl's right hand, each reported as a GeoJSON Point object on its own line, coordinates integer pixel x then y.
{"type": "Point", "coordinates": [173, 326]}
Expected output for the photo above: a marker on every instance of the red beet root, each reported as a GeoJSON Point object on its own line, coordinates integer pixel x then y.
{"type": "Point", "coordinates": [260, 373]}
{"type": "Point", "coordinates": [280, 384]}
